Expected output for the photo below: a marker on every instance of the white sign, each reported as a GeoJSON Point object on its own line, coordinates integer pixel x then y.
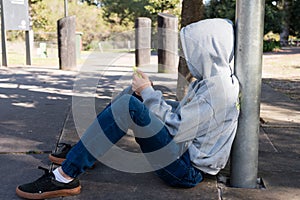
{"type": "Point", "coordinates": [16, 15]}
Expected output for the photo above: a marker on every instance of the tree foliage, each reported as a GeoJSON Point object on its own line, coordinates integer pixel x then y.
{"type": "Point", "coordinates": [92, 2]}
{"type": "Point", "coordinates": [226, 9]}
{"type": "Point", "coordinates": [89, 22]}
{"type": "Point", "coordinates": [283, 16]}
{"type": "Point", "coordinates": [39, 15]}
{"type": "Point", "coordinates": [280, 15]}
{"type": "Point", "coordinates": [124, 12]}
{"type": "Point", "coordinates": [156, 6]}
{"type": "Point", "coordinates": [272, 17]}
{"type": "Point", "coordinates": [295, 18]}
{"type": "Point", "coordinates": [220, 9]}
{"type": "Point", "coordinates": [98, 18]}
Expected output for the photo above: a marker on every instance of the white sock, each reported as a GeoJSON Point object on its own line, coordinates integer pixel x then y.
{"type": "Point", "coordinates": [60, 177]}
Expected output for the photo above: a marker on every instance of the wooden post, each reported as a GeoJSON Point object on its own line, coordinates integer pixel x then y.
{"type": "Point", "coordinates": [167, 43]}
{"type": "Point", "coordinates": [142, 41]}
{"type": "Point", "coordinates": [67, 43]}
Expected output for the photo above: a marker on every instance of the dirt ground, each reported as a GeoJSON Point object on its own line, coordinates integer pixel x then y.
{"type": "Point", "coordinates": [281, 70]}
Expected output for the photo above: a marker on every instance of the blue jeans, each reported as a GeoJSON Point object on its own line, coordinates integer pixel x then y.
{"type": "Point", "coordinates": [114, 123]}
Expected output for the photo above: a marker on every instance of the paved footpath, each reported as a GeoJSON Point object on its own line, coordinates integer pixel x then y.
{"type": "Point", "coordinates": [36, 114]}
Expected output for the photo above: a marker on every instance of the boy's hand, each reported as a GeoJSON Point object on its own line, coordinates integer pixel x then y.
{"type": "Point", "coordinates": [140, 81]}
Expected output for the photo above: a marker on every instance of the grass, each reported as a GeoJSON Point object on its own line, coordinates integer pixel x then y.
{"type": "Point", "coordinates": [16, 55]}
{"type": "Point", "coordinates": [19, 59]}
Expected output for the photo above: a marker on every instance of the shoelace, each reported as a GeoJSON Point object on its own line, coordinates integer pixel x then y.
{"type": "Point", "coordinates": [47, 172]}
{"type": "Point", "coordinates": [64, 146]}
{"type": "Point", "coordinates": [41, 183]}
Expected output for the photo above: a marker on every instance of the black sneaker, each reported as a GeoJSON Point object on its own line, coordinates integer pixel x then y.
{"type": "Point", "coordinates": [47, 187]}
{"type": "Point", "coordinates": [60, 156]}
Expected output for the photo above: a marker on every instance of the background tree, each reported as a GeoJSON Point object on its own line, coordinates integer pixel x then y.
{"type": "Point", "coordinates": [100, 18]}
{"type": "Point", "coordinates": [272, 17]}
{"type": "Point", "coordinates": [92, 2]}
{"type": "Point", "coordinates": [39, 14]}
{"type": "Point", "coordinates": [159, 6]}
{"type": "Point", "coordinates": [192, 11]}
{"type": "Point", "coordinates": [282, 16]}
{"type": "Point", "coordinates": [220, 9]}
{"type": "Point", "coordinates": [295, 16]}
{"type": "Point", "coordinates": [285, 7]}
{"type": "Point", "coordinates": [90, 21]}
{"type": "Point", "coordinates": [124, 12]}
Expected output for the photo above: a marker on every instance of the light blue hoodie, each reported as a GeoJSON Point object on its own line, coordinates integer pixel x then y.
{"type": "Point", "coordinates": [206, 119]}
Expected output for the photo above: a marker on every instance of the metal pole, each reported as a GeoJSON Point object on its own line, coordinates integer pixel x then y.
{"type": "Point", "coordinates": [29, 37]}
{"type": "Point", "coordinates": [3, 37]}
{"type": "Point", "coordinates": [66, 8]}
{"type": "Point", "coordinates": [248, 64]}
{"type": "Point", "coordinates": [29, 45]}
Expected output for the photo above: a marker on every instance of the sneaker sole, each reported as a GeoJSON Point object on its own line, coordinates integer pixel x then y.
{"type": "Point", "coordinates": [51, 194]}
{"type": "Point", "coordinates": [56, 160]}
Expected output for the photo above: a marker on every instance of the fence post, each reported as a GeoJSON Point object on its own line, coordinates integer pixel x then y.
{"type": "Point", "coordinates": [142, 41]}
{"type": "Point", "coordinates": [29, 45]}
{"type": "Point", "coordinates": [3, 37]}
{"type": "Point", "coordinates": [66, 37]}
{"type": "Point", "coordinates": [167, 43]}
{"type": "Point", "coordinates": [248, 64]}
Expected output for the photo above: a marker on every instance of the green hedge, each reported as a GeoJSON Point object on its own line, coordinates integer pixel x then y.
{"type": "Point", "coordinates": [271, 45]}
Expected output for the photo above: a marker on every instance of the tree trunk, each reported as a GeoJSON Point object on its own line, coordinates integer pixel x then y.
{"type": "Point", "coordinates": [285, 30]}
{"type": "Point", "coordinates": [192, 11]}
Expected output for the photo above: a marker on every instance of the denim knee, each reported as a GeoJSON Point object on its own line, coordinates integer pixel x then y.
{"type": "Point", "coordinates": [181, 173]}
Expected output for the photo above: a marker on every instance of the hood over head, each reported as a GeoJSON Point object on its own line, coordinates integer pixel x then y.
{"type": "Point", "coordinates": [208, 47]}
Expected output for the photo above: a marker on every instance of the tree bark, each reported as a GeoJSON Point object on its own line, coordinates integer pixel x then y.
{"type": "Point", "coordinates": [285, 30]}
{"type": "Point", "coordinates": [192, 11]}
